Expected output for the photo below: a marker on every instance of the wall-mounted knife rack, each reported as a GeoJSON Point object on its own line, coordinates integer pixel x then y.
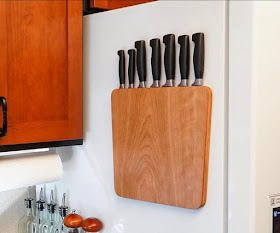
{"type": "Point", "coordinates": [161, 142]}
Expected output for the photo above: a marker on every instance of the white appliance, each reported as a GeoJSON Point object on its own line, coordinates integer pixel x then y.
{"type": "Point", "coordinates": [241, 68]}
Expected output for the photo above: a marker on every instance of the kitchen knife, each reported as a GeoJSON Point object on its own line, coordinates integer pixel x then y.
{"type": "Point", "coordinates": [131, 68]}
{"type": "Point", "coordinates": [141, 62]}
{"type": "Point", "coordinates": [198, 58]}
{"type": "Point", "coordinates": [169, 59]}
{"type": "Point", "coordinates": [122, 68]}
{"type": "Point", "coordinates": [156, 61]}
{"type": "Point", "coordinates": [184, 59]}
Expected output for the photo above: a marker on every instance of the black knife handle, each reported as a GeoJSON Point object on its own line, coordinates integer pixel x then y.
{"type": "Point", "coordinates": [141, 59]}
{"type": "Point", "coordinates": [169, 56]}
{"type": "Point", "coordinates": [156, 58]}
{"type": "Point", "coordinates": [121, 66]}
{"type": "Point", "coordinates": [131, 65]}
{"type": "Point", "coordinates": [184, 58]}
{"type": "Point", "coordinates": [199, 54]}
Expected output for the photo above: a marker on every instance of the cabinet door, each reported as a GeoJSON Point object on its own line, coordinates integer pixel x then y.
{"type": "Point", "coordinates": [41, 70]}
{"type": "Point", "coordinates": [114, 4]}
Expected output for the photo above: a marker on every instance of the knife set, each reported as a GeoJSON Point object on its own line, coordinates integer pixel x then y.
{"type": "Point", "coordinates": [161, 136]}
{"type": "Point", "coordinates": [169, 61]}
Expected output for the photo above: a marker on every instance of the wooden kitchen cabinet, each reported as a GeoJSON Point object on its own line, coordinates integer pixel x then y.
{"type": "Point", "coordinates": [41, 73]}
{"type": "Point", "coordinates": [114, 4]}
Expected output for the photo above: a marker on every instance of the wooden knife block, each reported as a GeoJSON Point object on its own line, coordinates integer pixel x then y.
{"type": "Point", "coordinates": [161, 142]}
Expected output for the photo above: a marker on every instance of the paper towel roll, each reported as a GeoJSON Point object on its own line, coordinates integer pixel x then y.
{"type": "Point", "coordinates": [23, 170]}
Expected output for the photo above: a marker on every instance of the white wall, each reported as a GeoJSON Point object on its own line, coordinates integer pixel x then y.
{"type": "Point", "coordinates": [254, 113]}
{"type": "Point", "coordinates": [12, 208]}
{"type": "Point", "coordinates": [88, 169]}
{"type": "Point", "coordinates": [267, 110]}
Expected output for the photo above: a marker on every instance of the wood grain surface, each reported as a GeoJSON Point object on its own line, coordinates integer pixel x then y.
{"type": "Point", "coordinates": [41, 70]}
{"type": "Point", "coordinates": [115, 4]}
{"type": "Point", "coordinates": [161, 144]}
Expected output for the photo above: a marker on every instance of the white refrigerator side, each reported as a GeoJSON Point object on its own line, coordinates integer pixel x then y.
{"type": "Point", "coordinates": [241, 117]}
{"type": "Point", "coordinates": [88, 169]}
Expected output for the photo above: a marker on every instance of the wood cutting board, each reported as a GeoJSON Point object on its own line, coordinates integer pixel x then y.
{"type": "Point", "coordinates": [161, 142]}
